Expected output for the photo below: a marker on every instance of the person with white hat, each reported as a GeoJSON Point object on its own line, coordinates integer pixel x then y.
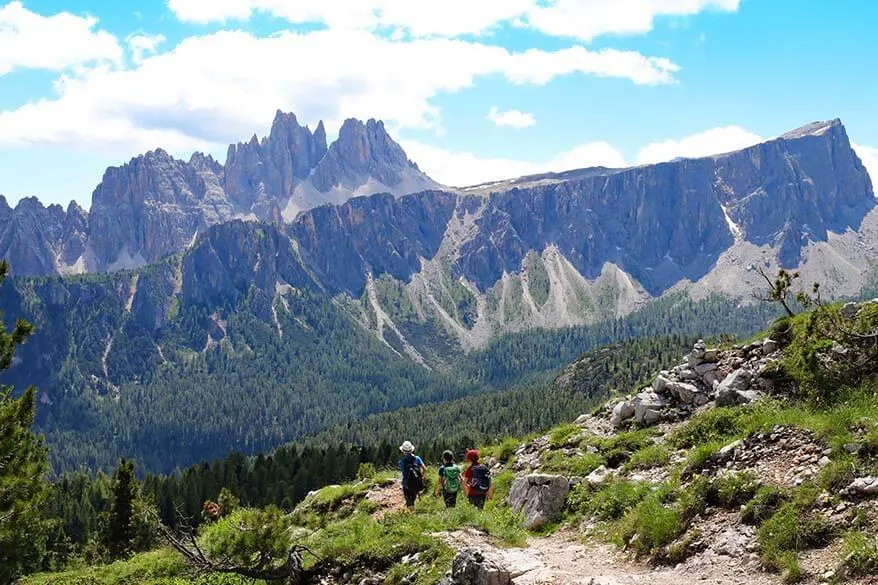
{"type": "Point", "coordinates": [413, 473]}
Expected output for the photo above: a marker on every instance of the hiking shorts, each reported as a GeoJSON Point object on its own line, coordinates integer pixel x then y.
{"type": "Point", "coordinates": [478, 500]}
{"type": "Point", "coordinates": [450, 499]}
{"type": "Point", "coordinates": [410, 497]}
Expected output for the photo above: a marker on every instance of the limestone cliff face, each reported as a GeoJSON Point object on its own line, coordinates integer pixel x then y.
{"type": "Point", "coordinates": [550, 250]}
{"type": "Point", "coordinates": [150, 208]}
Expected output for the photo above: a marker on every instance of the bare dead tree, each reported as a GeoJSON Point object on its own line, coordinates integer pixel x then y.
{"type": "Point", "coordinates": [779, 289]}
{"type": "Point", "coordinates": [264, 566]}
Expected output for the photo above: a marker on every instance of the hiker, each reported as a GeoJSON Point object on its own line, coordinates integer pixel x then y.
{"type": "Point", "coordinates": [449, 480]}
{"type": "Point", "coordinates": [477, 481]}
{"type": "Point", "coordinates": [413, 473]}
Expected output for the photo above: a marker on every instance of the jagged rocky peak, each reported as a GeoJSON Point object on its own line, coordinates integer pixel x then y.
{"type": "Point", "coordinates": [263, 173]}
{"type": "Point", "coordinates": [150, 208]}
{"type": "Point", "coordinates": [365, 159]}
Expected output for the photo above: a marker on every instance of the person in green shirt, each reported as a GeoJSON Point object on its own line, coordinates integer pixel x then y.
{"type": "Point", "coordinates": [449, 480]}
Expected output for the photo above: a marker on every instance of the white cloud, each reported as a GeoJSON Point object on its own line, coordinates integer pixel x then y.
{"type": "Point", "coordinates": [869, 156]}
{"type": "Point", "coordinates": [220, 87]}
{"type": "Point", "coordinates": [513, 118]}
{"type": "Point", "coordinates": [464, 168]}
{"type": "Point", "coordinates": [587, 19]}
{"type": "Point", "coordinates": [448, 18]}
{"type": "Point", "coordinates": [581, 19]}
{"type": "Point", "coordinates": [142, 44]}
{"type": "Point", "coordinates": [32, 41]}
{"type": "Point", "coordinates": [709, 142]}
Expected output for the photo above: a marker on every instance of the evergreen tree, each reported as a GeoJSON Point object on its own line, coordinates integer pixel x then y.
{"type": "Point", "coordinates": [120, 530]}
{"type": "Point", "coordinates": [23, 466]}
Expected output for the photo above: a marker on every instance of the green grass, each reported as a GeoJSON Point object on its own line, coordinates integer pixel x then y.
{"type": "Point", "coordinates": [162, 567]}
{"type": "Point", "coordinates": [733, 490]}
{"type": "Point", "coordinates": [561, 436]}
{"type": "Point", "coordinates": [649, 457]}
{"type": "Point", "coordinates": [571, 466]}
{"type": "Point", "coordinates": [503, 451]}
{"type": "Point", "coordinates": [860, 554]}
{"type": "Point", "coordinates": [763, 505]}
{"type": "Point", "coordinates": [790, 530]}
{"type": "Point", "coordinates": [649, 526]}
{"type": "Point", "coordinates": [611, 502]}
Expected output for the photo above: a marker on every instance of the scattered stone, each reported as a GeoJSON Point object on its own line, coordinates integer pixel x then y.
{"type": "Point", "coordinates": [648, 407]}
{"type": "Point", "coordinates": [823, 462]}
{"type": "Point", "coordinates": [582, 419]}
{"type": "Point", "coordinates": [599, 476]}
{"type": "Point", "coordinates": [863, 486]}
{"type": "Point", "coordinates": [540, 498]}
{"type": "Point", "coordinates": [729, 450]}
{"type": "Point", "coordinates": [769, 346]}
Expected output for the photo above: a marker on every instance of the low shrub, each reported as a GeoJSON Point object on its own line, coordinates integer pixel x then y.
{"type": "Point", "coordinates": [763, 505]}
{"type": "Point", "coordinates": [649, 526]}
{"type": "Point", "coordinates": [611, 502]}
{"type": "Point", "coordinates": [732, 490]}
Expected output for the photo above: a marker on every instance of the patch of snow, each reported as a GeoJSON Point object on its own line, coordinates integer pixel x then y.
{"type": "Point", "coordinates": [733, 227]}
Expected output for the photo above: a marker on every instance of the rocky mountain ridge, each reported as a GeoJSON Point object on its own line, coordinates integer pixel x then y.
{"type": "Point", "coordinates": [156, 205]}
{"type": "Point", "coordinates": [435, 269]}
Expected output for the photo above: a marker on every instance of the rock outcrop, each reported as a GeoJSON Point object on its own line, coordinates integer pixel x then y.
{"type": "Point", "coordinates": [726, 377]}
{"type": "Point", "coordinates": [540, 498]}
{"type": "Point", "coordinates": [471, 567]}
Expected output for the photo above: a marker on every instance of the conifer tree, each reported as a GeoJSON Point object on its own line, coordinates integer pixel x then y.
{"type": "Point", "coordinates": [120, 530]}
{"type": "Point", "coordinates": [23, 466]}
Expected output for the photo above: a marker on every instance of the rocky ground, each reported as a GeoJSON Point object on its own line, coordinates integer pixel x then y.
{"type": "Point", "coordinates": [635, 441]}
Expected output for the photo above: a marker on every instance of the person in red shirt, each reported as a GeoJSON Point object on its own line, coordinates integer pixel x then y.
{"type": "Point", "coordinates": [477, 482]}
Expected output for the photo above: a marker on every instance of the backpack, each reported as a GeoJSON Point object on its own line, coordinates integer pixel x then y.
{"type": "Point", "coordinates": [480, 482]}
{"type": "Point", "coordinates": [413, 476]}
{"type": "Point", "coordinates": [452, 479]}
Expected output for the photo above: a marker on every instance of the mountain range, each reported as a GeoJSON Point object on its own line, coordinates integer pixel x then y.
{"type": "Point", "coordinates": [335, 282]}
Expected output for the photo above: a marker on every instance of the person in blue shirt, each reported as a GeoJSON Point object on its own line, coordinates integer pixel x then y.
{"type": "Point", "coordinates": [413, 473]}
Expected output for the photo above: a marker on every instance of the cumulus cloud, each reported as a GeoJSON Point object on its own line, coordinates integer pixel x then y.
{"type": "Point", "coordinates": [32, 41]}
{"type": "Point", "coordinates": [142, 44]}
{"type": "Point", "coordinates": [869, 156]}
{"type": "Point", "coordinates": [216, 88]}
{"type": "Point", "coordinates": [581, 19]}
{"type": "Point", "coordinates": [513, 118]}
{"type": "Point", "coordinates": [461, 169]}
{"type": "Point", "coordinates": [709, 142]}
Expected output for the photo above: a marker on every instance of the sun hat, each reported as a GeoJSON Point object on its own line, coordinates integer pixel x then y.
{"type": "Point", "coordinates": [407, 447]}
{"type": "Point", "coordinates": [472, 455]}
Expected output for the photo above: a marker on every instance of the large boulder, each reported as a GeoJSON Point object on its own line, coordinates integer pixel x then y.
{"type": "Point", "coordinates": [470, 567]}
{"type": "Point", "coordinates": [733, 390]}
{"type": "Point", "coordinates": [541, 498]}
{"type": "Point", "coordinates": [649, 407]}
{"type": "Point", "coordinates": [623, 411]}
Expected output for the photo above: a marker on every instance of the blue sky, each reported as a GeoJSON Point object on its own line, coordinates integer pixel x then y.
{"type": "Point", "coordinates": [473, 89]}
